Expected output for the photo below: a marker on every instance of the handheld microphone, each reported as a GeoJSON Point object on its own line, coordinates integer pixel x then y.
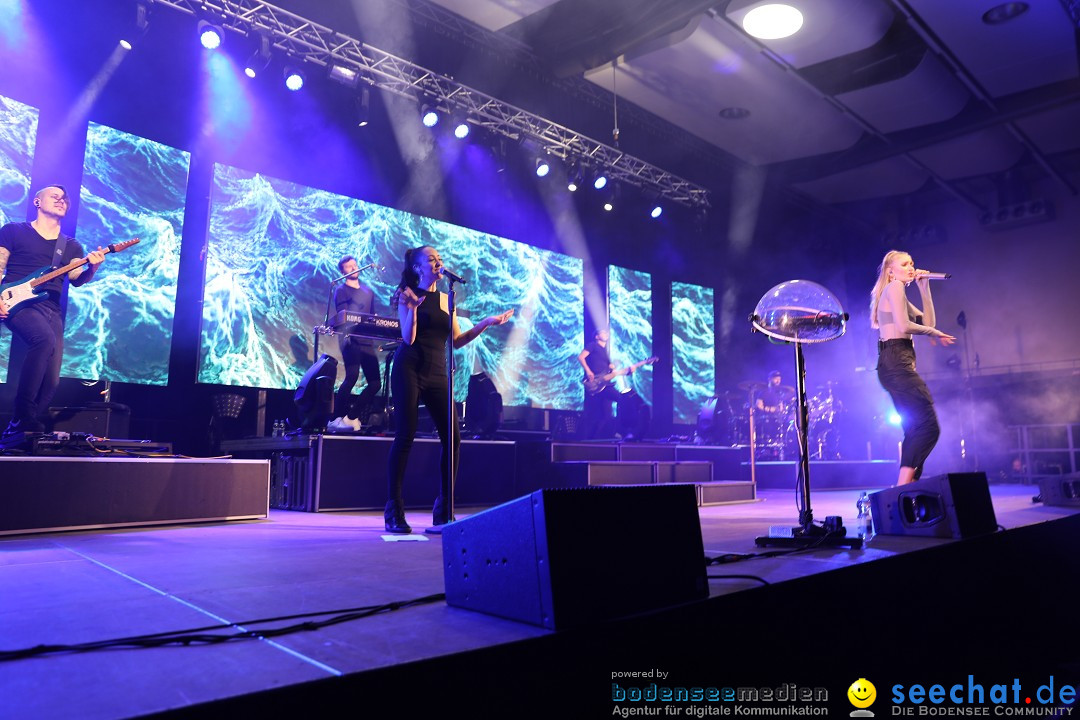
{"type": "Point", "coordinates": [453, 276]}
{"type": "Point", "coordinates": [937, 276]}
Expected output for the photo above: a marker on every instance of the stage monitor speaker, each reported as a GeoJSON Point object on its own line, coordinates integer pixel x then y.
{"type": "Point", "coordinates": [956, 505]}
{"type": "Point", "coordinates": [1063, 490]}
{"type": "Point", "coordinates": [561, 558]}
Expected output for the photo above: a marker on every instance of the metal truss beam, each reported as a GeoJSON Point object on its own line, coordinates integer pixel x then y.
{"type": "Point", "coordinates": [309, 42]}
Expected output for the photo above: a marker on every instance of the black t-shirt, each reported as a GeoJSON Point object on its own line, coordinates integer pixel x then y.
{"type": "Point", "coordinates": [598, 359]}
{"type": "Point", "coordinates": [362, 300]}
{"type": "Point", "coordinates": [30, 252]}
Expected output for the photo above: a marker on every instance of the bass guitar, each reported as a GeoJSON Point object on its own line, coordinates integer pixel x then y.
{"type": "Point", "coordinates": [599, 382]}
{"type": "Point", "coordinates": [14, 294]}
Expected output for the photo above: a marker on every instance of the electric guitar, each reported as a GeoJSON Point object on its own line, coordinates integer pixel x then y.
{"type": "Point", "coordinates": [599, 382]}
{"type": "Point", "coordinates": [12, 295]}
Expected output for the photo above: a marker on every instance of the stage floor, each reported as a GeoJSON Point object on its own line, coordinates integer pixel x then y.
{"type": "Point", "coordinates": [98, 585]}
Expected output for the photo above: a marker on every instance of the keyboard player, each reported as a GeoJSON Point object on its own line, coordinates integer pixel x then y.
{"type": "Point", "coordinates": [357, 353]}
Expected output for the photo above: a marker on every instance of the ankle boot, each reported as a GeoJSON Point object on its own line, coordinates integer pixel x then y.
{"type": "Point", "coordinates": [395, 519]}
{"type": "Point", "coordinates": [439, 512]}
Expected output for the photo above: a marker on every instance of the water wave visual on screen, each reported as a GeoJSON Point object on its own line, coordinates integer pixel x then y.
{"type": "Point", "coordinates": [273, 249]}
{"type": "Point", "coordinates": [693, 344]}
{"type": "Point", "coordinates": [119, 326]}
{"type": "Point", "coordinates": [18, 136]}
{"type": "Point", "coordinates": [630, 320]}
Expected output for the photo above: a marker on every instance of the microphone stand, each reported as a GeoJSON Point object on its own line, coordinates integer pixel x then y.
{"type": "Point", "coordinates": [447, 484]}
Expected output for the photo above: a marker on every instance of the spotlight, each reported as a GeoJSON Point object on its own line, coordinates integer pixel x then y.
{"type": "Point", "coordinates": [210, 35]}
{"type": "Point", "coordinates": [259, 59]}
{"type": "Point", "coordinates": [294, 78]}
{"type": "Point", "coordinates": [656, 212]}
{"type": "Point", "coordinates": [139, 28]}
{"type": "Point", "coordinates": [894, 418]}
{"type": "Point", "coordinates": [363, 113]}
{"type": "Point", "coordinates": [573, 182]}
{"type": "Point", "coordinates": [600, 182]}
{"type": "Point", "coordinates": [461, 129]}
{"type": "Point", "coordinates": [429, 115]}
{"type": "Point", "coordinates": [344, 75]}
{"type": "Point", "coordinates": [609, 205]}
{"type": "Point", "coordinates": [542, 167]}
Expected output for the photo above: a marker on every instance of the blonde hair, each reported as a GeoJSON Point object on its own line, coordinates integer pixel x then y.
{"type": "Point", "coordinates": [882, 281]}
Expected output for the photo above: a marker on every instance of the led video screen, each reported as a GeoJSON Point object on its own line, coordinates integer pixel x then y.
{"type": "Point", "coordinates": [630, 319]}
{"type": "Point", "coordinates": [693, 344]}
{"type": "Point", "coordinates": [119, 326]}
{"type": "Point", "coordinates": [272, 253]}
{"type": "Point", "coordinates": [18, 136]}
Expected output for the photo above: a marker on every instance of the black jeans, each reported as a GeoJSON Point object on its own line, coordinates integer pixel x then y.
{"type": "Point", "coordinates": [41, 326]}
{"type": "Point", "coordinates": [356, 357]}
{"type": "Point", "coordinates": [596, 420]}
{"type": "Point", "coordinates": [410, 384]}
{"type": "Point", "coordinates": [896, 372]}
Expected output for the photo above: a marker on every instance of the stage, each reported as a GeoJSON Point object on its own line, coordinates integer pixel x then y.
{"type": "Point", "coordinates": [893, 612]}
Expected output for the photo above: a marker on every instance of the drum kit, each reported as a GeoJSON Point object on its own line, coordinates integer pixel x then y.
{"type": "Point", "coordinates": [733, 418]}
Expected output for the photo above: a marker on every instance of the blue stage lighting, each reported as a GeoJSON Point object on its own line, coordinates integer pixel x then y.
{"type": "Point", "coordinates": [600, 182]}
{"type": "Point", "coordinates": [657, 211]}
{"type": "Point", "coordinates": [895, 419]}
{"type": "Point", "coordinates": [429, 115]}
{"type": "Point", "coordinates": [210, 35]}
{"type": "Point", "coordinates": [294, 79]}
{"type": "Point", "coordinates": [542, 167]}
{"type": "Point", "coordinates": [461, 130]}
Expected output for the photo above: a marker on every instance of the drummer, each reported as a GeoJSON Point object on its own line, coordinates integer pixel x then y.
{"type": "Point", "coordinates": [775, 397]}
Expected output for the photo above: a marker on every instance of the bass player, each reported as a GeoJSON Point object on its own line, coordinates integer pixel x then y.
{"type": "Point", "coordinates": [633, 413]}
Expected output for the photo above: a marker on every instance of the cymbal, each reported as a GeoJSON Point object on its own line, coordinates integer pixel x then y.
{"type": "Point", "coordinates": [748, 385]}
{"type": "Point", "coordinates": [785, 390]}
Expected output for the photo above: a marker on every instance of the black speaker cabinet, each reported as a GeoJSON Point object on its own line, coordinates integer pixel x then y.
{"type": "Point", "coordinates": [1060, 490]}
{"type": "Point", "coordinates": [956, 505]}
{"type": "Point", "coordinates": [565, 557]}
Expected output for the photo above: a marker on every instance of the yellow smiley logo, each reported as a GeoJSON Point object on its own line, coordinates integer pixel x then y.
{"type": "Point", "coordinates": [862, 693]}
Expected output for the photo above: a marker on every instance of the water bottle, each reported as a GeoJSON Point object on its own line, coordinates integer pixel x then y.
{"type": "Point", "coordinates": [279, 428]}
{"type": "Point", "coordinates": [864, 523]}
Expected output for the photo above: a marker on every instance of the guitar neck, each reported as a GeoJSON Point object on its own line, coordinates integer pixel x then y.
{"type": "Point", "coordinates": [76, 263]}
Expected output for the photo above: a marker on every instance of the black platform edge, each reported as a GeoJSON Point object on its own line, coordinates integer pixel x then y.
{"type": "Point", "coordinates": [935, 615]}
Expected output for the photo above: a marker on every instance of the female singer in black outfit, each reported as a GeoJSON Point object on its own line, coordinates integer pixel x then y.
{"type": "Point", "coordinates": [896, 320]}
{"type": "Point", "coordinates": [420, 373]}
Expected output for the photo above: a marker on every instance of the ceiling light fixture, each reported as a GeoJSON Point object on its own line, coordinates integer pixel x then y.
{"type": "Point", "coordinates": [772, 22]}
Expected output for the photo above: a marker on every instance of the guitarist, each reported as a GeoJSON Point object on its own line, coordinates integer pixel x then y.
{"type": "Point", "coordinates": [633, 412]}
{"type": "Point", "coordinates": [26, 247]}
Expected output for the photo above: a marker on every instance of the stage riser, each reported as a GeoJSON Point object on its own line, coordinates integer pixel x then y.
{"type": "Point", "coordinates": [728, 462]}
{"type": "Point", "coordinates": [829, 475]}
{"type": "Point", "coordinates": [52, 494]}
{"type": "Point", "coordinates": [350, 473]}
{"type": "Point", "coordinates": [721, 493]}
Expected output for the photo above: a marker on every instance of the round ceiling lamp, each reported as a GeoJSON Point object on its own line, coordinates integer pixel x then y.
{"type": "Point", "coordinates": [772, 22]}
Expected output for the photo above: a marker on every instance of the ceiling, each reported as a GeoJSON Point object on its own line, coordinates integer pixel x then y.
{"type": "Point", "coordinates": [871, 98]}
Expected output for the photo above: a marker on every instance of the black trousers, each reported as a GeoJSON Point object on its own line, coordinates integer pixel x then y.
{"type": "Point", "coordinates": [356, 357]}
{"type": "Point", "coordinates": [41, 327]}
{"type": "Point", "coordinates": [412, 382]}
{"type": "Point", "coordinates": [596, 420]}
{"type": "Point", "coordinates": [896, 372]}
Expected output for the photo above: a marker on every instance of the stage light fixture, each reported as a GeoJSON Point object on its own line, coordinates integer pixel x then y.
{"type": "Point", "coordinates": [344, 75]}
{"type": "Point", "coordinates": [363, 111]}
{"type": "Point", "coordinates": [210, 35]}
{"type": "Point", "coordinates": [573, 181]}
{"type": "Point", "coordinates": [895, 419]}
{"type": "Point", "coordinates": [139, 28]}
{"type": "Point", "coordinates": [260, 59]}
{"type": "Point", "coordinates": [461, 129]}
{"type": "Point", "coordinates": [772, 22]}
{"type": "Point", "coordinates": [656, 212]}
{"type": "Point", "coordinates": [429, 115]}
{"type": "Point", "coordinates": [600, 182]}
{"type": "Point", "coordinates": [543, 167]}
{"type": "Point", "coordinates": [294, 78]}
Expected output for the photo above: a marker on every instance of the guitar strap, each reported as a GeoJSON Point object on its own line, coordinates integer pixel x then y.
{"type": "Point", "coordinates": [58, 254]}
